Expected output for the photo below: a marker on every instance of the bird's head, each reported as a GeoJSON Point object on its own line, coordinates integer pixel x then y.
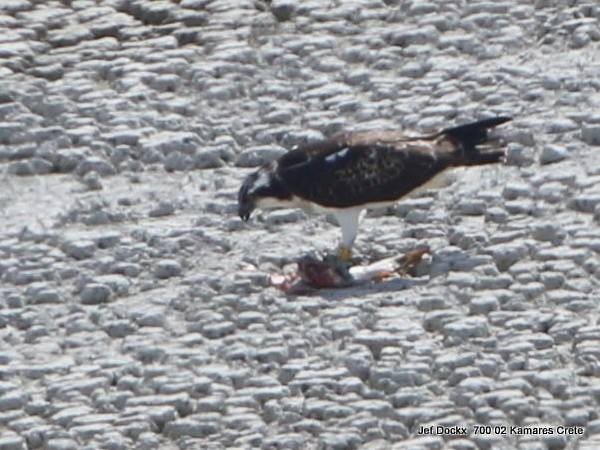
{"type": "Point", "coordinates": [247, 196]}
{"type": "Point", "coordinates": [261, 189]}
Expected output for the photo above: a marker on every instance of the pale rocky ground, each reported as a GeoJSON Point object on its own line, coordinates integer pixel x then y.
{"type": "Point", "coordinates": [133, 307]}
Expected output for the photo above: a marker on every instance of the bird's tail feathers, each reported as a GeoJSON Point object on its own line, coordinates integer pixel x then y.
{"type": "Point", "coordinates": [478, 158]}
{"type": "Point", "coordinates": [469, 138]}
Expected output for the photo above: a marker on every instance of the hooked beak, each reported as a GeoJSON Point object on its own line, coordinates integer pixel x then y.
{"type": "Point", "coordinates": [246, 197]}
{"type": "Point", "coordinates": [245, 209]}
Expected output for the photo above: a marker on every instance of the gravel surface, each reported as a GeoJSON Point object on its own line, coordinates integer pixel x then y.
{"type": "Point", "coordinates": [134, 312]}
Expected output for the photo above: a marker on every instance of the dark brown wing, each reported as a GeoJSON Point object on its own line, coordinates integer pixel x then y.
{"type": "Point", "coordinates": [359, 168]}
{"type": "Point", "coordinates": [348, 171]}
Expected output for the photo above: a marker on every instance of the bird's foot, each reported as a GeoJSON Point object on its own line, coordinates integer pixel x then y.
{"type": "Point", "coordinates": [344, 254]}
{"type": "Point", "coordinates": [341, 262]}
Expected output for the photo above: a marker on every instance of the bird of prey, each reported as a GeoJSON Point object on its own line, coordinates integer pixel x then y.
{"type": "Point", "coordinates": [357, 170]}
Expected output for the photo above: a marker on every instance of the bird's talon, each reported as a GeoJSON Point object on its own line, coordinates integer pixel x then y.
{"type": "Point", "coordinates": [344, 254]}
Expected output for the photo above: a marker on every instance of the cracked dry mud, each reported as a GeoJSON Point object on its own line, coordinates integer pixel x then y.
{"type": "Point", "coordinates": [134, 312]}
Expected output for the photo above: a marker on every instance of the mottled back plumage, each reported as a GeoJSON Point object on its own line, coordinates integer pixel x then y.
{"type": "Point", "coordinates": [347, 172]}
{"type": "Point", "coordinates": [357, 168]}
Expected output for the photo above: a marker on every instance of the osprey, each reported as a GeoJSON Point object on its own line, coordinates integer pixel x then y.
{"type": "Point", "coordinates": [357, 170]}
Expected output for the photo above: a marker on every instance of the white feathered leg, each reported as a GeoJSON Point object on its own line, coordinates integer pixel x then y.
{"type": "Point", "coordinates": [348, 219]}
